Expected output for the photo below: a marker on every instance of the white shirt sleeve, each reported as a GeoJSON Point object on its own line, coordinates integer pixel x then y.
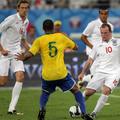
{"type": "Point", "coordinates": [6, 23]}
{"type": "Point", "coordinates": [93, 53]}
{"type": "Point", "coordinates": [89, 29]}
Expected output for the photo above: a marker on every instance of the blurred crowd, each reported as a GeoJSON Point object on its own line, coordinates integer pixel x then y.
{"type": "Point", "coordinates": [50, 4]}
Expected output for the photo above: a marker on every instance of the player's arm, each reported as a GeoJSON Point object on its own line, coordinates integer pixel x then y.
{"type": "Point", "coordinates": [87, 32]}
{"type": "Point", "coordinates": [25, 44]}
{"type": "Point", "coordinates": [35, 48]}
{"type": "Point", "coordinates": [85, 68]}
{"type": "Point", "coordinates": [84, 38]}
{"type": "Point", "coordinates": [6, 23]}
{"type": "Point", "coordinates": [24, 56]}
{"type": "Point", "coordinates": [69, 43]}
{"type": "Point", "coordinates": [3, 51]}
{"type": "Point", "coordinates": [75, 47]}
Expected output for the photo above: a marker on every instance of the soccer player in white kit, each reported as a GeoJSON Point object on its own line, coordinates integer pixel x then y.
{"type": "Point", "coordinates": [13, 30]}
{"type": "Point", "coordinates": [107, 74]}
{"type": "Point", "coordinates": [91, 36]}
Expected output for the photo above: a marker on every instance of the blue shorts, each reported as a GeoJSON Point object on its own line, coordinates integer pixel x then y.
{"type": "Point", "coordinates": [65, 84]}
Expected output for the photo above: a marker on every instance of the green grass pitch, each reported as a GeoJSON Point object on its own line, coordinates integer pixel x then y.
{"type": "Point", "coordinates": [57, 107]}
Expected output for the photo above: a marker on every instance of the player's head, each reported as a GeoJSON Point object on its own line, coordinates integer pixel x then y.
{"type": "Point", "coordinates": [22, 7]}
{"type": "Point", "coordinates": [103, 14]}
{"type": "Point", "coordinates": [106, 32]}
{"type": "Point", "coordinates": [48, 26]}
{"type": "Point", "coordinates": [57, 26]}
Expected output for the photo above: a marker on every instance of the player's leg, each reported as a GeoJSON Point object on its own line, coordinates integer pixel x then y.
{"type": "Point", "coordinates": [48, 87]}
{"type": "Point", "coordinates": [70, 84]}
{"type": "Point", "coordinates": [4, 63]}
{"type": "Point", "coordinates": [101, 101]}
{"type": "Point", "coordinates": [18, 69]}
{"type": "Point", "coordinates": [110, 83]}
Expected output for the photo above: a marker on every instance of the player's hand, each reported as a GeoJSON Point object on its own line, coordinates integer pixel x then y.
{"type": "Point", "coordinates": [20, 56]}
{"type": "Point", "coordinates": [80, 82]}
{"type": "Point", "coordinates": [5, 52]}
{"type": "Point", "coordinates": [80, 76]}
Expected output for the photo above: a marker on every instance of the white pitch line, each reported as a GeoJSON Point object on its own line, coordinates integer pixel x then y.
{"type": "Point", "coordinates": [113, 96]}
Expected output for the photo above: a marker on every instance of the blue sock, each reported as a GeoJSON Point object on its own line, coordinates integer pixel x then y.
{"type": "Point", "coordinates": [81, 101]}
{"type": "Point", "coordinates": [43, 99]}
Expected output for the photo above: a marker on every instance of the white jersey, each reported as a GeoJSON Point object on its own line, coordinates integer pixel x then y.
{"type": "Point", "coordinates": [107, 54]}
{"type": "Point", "coordinates": [93, 32]}
{"type": "Point", "coordinates": [13, 29]}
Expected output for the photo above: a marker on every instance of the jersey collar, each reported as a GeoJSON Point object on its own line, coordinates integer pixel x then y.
{"type": "Point", "coordinates": [26, 20]}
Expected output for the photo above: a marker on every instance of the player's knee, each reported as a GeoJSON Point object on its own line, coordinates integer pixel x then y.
{"type": "Point", "coordinates": [106, 90]}
{"type": "Point", "coordinates": [89, 92]}
{"type": "Point", "coordinates": [74, 89]}
{"type": "Point", "coordinates": [20, 77]}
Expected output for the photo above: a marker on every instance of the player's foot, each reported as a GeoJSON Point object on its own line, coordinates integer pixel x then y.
{"type": "Point", "coordinates": [93, 115]}
{"type": "Point", "coordinates": [87, 117]}
{"type": "Point", "coordinates": [41, 115]}
{"type": "Point", "coordinates": [12, 112]}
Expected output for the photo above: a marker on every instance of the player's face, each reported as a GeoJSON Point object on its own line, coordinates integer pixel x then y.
{"type": "Point", "coordinates": [105, 34]}
{"type": "Point", "coordinates": [23, 9]}
{"type": "Point", "coordinates": [103, 15]}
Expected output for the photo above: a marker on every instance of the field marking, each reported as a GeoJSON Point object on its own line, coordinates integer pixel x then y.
{"type": "Point", "coordinates": [112, 95]}
{"type": "Point", "coordinates": [39, 88]}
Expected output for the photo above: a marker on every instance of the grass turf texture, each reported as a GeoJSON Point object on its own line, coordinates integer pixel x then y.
{"type": "Point", "coordinates": [57, 107]}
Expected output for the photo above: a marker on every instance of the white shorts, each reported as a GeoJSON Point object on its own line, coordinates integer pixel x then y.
{"type": "Point", "coordinates": [7, 63]}
{"type": "Point", "coordinates": [100, 79]}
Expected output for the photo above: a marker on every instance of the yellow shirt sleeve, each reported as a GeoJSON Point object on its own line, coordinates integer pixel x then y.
{"type": "Point", "coordinates": [35, 48]}
{"type": "Point", "coordinates": [69, 42]}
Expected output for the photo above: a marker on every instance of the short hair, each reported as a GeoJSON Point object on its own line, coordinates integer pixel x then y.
{"type": "Point", "coordinates": [103, 9]}
{"type": "Point", "coordinates": [106, 25]}
{"type": "Point", "coordinates": [23, 1]}
{"type": "Point", "coordinates": [57, 23]}
{"type": "Point", "coordinates": [48, 25]}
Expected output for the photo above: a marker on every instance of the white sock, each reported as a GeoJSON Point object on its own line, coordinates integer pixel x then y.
{"type": "Point", "coordinates": [100, 103]}
{"type": "Point", "coordinates": [15, 95]}
{"type": "Point", "coordinates": [84, 94]}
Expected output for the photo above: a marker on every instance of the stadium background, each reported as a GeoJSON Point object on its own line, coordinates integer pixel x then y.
{"type": "Point", "coordinates": [74, 19]}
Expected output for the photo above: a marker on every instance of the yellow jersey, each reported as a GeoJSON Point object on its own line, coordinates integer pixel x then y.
{"type": "Point", "coordinates": [51, 48]}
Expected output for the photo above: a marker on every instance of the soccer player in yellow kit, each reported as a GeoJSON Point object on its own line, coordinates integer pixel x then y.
{"type": "Point", "coordinates": [51, 47]}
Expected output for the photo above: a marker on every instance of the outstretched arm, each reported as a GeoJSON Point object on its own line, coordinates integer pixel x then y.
{"type": "Point", "coordinates": [25, 44]}
{"type": "Point", "coordinates": [85, 68]}
{"type": "Point", "coordinates": [24, 56]}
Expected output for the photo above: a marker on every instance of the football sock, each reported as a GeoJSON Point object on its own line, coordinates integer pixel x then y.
{"type": "Point", "coordinates": [15, 95]}
{"type": "Point", "coordinates": [43, 99]}
{"type": "Point", "coordinates": [100, 103]}
{"type": "Point", "coordinates": [80, 100]}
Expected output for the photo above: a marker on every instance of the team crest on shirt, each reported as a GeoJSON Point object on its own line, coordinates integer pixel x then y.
{"type": "Point", "coordinates": [114, 42]}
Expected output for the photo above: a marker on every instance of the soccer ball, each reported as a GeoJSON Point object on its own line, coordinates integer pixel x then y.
{"type": "Point", "coordinates": [75, 111]}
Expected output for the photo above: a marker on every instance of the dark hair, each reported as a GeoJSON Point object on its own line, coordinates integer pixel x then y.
{"type": "Point", "coordinates": [106, 25]}
{"type": "Point", "coordinates": [48, 25]}
{"type": "Point", "coordinates": [23, 1]}
{"type": "Point", "coordinates": [105, 9]}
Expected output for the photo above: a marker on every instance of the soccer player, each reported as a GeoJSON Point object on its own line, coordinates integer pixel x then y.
{"type": "Point", "coordinates": [13, 30]}
{"type": "Point", "coordinates": [51, 47]}
{"type": "Point", "coordinates": [92, 32]}
{"type": "Point", "coordinates": [107, 74]}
